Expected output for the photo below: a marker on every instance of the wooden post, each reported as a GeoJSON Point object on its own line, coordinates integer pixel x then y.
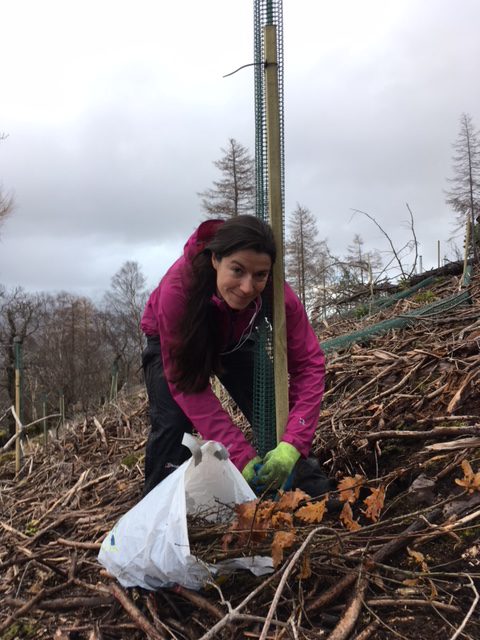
{"type": "Point", "coordinates": [438, 253]}
{"type": "Point", "coordinates": [44, 421]}
{"type": "Point", "coordinates": [276, 222]}
{"type": "Point", "coordinates": [62, 411]}
{"type": "Point", "coordinates": [17, 342]}
{"type": "Point", "coordinates": [465, 253]}
{"type": "Point", "coordinates": [114, 384]}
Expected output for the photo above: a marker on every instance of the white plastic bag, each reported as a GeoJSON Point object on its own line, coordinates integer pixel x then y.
{"type": "Point", "coordinates": [149, 546]}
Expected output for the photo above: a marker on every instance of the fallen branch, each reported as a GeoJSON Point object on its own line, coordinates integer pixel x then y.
{"type": "Point", "coordinates": [412, 602]}
{"type": "Point", "coordinates": [436, 432]}
{"type": "Point", "coordinates": [135, 614]}
{"type": "Point", "coordinates": [22, 611]}
{"type": "Point", "coordinates": [95, 546]}
{"type": "Point", "coordinates": [379, 556]}
{"type": "Point", "coordinates": [233, 614]}
{"type": "Point", "coordinates": [23, 428]}
{"type": "Point", "coordinates": [199, 601]}
{"type": "Point", "coordinates": [65, 604]}
{"type": "Point", "coordinates": [350, 616]}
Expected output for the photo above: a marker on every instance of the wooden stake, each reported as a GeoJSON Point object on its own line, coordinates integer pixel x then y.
{"type": "Point", "coordinates": [18, 402]}
{"type": "Point", "coordinates": [276, 222]}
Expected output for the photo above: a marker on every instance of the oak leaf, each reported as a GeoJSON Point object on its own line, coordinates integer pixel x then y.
{"type": "Point", "coordinates": [419, 558]}
{"type": "Point", "coordinates": [265, 510]}
{"type": "Point", "coordinates": [349, 488]}
{"type": "Point", "coordinates": [281, 540]}
{"type": "Point", "coordinates": [306, 568]}
{"type": "Point", "coordinates": [246, 510]}
{"type": "Point", "coordinates": [312, 512]}
{"type": "Point", "coordinates": [227, 540]}
{"type": "Point", "coordinates": [471, 480]}
{"type": "Point", "coordinates": [290, 500]}
{"type": "Point", "coordinates": [281, 519]}
{"type": "Point", "coordinates": [410, 582]}
{"type": "Point", "coordinates": [346, 516]}
{"type": "Point", "coordinates": [252, 523]}
{"type": "Point", "coordinates": [374, 502]}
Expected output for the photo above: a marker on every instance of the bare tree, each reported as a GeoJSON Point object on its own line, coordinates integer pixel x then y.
{"type": "Point", "coordinates": [124, 304]}
{"type": "Point", "coordinates": [234, 193]}
{"type": "Point", "coordinates": [362, 264]}
{"type": "Point", "coordinates": [464, 196]}
{"type": "Point", "coordinates": [398, 254]}
{"type": "Point", "coordinates": [68, 354]}
{"type": "Point", "coordinates": [305, 256]}
{"type": "Point", "coordinates": [6, 201]}
{"type": "Point", "coordinates": [18, 319]}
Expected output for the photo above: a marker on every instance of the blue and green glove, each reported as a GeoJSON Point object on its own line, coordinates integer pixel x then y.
{"type": "Point", "coordinates": [249, 469]}
{"type": "Point", "coordinates": [277, 466]}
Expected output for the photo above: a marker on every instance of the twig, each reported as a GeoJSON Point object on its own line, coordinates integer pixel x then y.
{"type": "Point", "coordinates": [367, 632]}
{"type": "Point", "coordinates": [231, 616]}
{"type": "Point", "coordinates": [458, 395]}
{"type": "Point", "coordinates": [379, 556]}
{"type": "Point", "coordinates": [152, 607]}
{"type": "Point", "coordinates": [95, 546]}
{"type": "Point", "coordinates": [415, 241]}
{"type": "Point", "coordinates": [470, 611]}
{"type": "Point", "coordinates": [284, 579]}
{"type": "Point", "coordinates": [394, 251]}
{"type": "Point", "coordinates": [350, 616]}
{"type": "Point", "coordinates": [436, 432]}
{"type": "Point", "coordinates": [135, 614]}
{"type": "Point", "coordinates": [198, 600]}
{"type": "Point", "coordinates": [66, 604]}
{"type": "Point", "coordinates": [412, 602]}
{"type": "Point", "coordinates": [23, 428]}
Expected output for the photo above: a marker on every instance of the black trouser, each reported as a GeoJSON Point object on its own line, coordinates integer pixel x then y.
{"type": "Point", "coordinates": [165, 452]}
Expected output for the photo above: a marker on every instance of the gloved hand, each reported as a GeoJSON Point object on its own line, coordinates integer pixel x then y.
{"type": "Point", "coordinates": [249, 469]}
{"type": "Point", "coordinates": [278, 465]}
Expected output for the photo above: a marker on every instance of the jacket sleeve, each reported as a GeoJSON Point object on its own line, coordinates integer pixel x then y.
{"type": "Point", "coordinates": [203, 408]}
{"type": "Point", "coordinates": [306, 368]}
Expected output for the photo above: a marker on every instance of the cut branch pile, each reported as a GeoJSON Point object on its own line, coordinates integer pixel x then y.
{"type": "Point", "coordinates": [400, 430]}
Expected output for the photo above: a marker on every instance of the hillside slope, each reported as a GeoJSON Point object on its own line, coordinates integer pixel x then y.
{"type": "Point", "coordinates": [401, 417]}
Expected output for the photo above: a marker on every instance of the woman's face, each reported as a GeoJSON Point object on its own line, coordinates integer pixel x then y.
{"type": "Point", "coordinates": [241, 277]}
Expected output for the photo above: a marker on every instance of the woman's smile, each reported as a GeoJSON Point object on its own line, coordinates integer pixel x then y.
{"type": "Point", "coordinates": [241, 276]}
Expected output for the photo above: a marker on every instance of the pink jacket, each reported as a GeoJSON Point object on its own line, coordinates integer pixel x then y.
{"type": "Point", "coordinates": [306, 363]}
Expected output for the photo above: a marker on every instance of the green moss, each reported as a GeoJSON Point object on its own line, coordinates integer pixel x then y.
{"type": "Point", "coordinates": [131, 460]}
{"type": "Point", "coordinates": [19, 630]}
{"type": "Point", "coordinates": [392, 449]}
{"type": "Point", "coordinates": [31, 528]}
{"type": "Point", "coordinates": [361, 311]}
{"type": "Point", "coordinates": [7, 457]}
{"type": "Point", "coordinates": [468, 534]}
{"type": "Point", "coordinates": [425, 297]}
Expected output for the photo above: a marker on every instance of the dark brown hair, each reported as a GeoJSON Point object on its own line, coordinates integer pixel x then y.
{"type": "Point", "coordinates": [196, 355]}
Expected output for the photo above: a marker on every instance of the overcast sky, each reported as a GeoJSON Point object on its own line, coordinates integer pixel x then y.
{"type": "Point", "coordinates": [115, 112]}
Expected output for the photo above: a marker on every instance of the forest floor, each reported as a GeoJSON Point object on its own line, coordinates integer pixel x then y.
{"type": "Point", "coordinates": [399, 433]}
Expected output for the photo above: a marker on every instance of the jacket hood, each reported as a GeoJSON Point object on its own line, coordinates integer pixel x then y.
{"type": "Point", "coordinates": [200, 238]}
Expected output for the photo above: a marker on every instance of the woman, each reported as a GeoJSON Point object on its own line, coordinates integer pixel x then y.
{"type": "Point", "coordinates": [200, 321]}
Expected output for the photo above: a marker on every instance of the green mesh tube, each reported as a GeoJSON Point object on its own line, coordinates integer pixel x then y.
{"type": "Point", "coordinates": [266, 12]}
